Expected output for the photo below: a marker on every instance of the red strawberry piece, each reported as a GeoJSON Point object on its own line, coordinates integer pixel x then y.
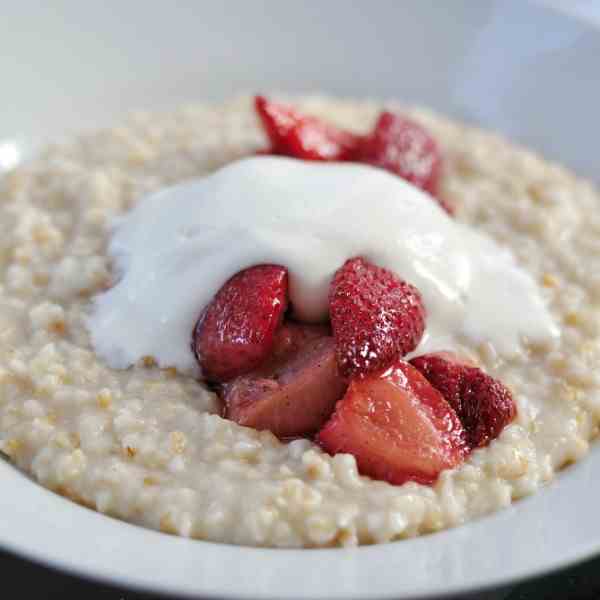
{"type": "Point", "coordinates": [301, 136]}
{"type": "Point", "coordinates": [235, 332]}
{"type": "Point", "coordinates": [290, 338]}
{"type": "Point", "coordinates": [376, 317]}
{"type": "Point", "coordinates": [295, 392]}
{"type": "Point", "coordinates": [397, 426]}
{"type": "Point", "coordinates": [484, 405]}
{"type": "Point", "coordinates": [444, 371]}
{"type": "Point", "coordinates": [403, 147]}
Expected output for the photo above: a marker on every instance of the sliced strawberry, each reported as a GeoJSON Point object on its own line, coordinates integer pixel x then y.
{"type": "Point", "coordinates": [376, 317]}
{"type": "Point", "coordinates": [295, 392]}
{"type": "Point", "coordinates": [403, 147]}
{"type": "Point", "coordinates": [484, 405]}
{"type": "Point", "coordinates": [289, 339]}
{"type": "Point", "coordinates": [397, 426]}
{"type": "Point", "coordinates": [444, 371]}
{"type": "Point", "coordinates": [301, 136]}
{"type": "Point", "coordinates": [235, 332]}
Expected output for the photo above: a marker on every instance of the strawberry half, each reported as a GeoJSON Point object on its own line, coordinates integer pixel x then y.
{"type": "Point", "coordinates": [484, 405]}
{"type": "Point", "coordinates": [235, 332]}
{"type": "Point", "coordinates": [295, 391]}
{"type": "Point", "coordinates": [403, 147]}
{"type": "Point", "coordinates": [397, 426]}
{"type": "Point", "coordinates": [300, 136]}
{"type": "Point", "coordinates": [376, 317]}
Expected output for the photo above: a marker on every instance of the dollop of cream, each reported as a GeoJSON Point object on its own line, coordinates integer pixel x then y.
{"type": "Point", "coordinates": [178, 246]}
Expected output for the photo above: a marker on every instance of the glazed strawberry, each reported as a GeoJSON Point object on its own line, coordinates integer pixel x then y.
{"type": "Point", "coordinates": [301, 136]}
{"type": "Point", "coordinates": [293, 395]}
{"type": "Point", "coordinates": [376, 317]}
{"type": "Point", "coordinates": [403, 147]}
{"type": "Point", "coordinates": [484, 405]}
{"type": "Point", "coordinates": [235, 332]}
{"type": "Point", "coordinates": [290, 338]}
{"type": "Point", "coordinates": [444, 370]}
{"type": "Point", "coordinates": [397, 426]}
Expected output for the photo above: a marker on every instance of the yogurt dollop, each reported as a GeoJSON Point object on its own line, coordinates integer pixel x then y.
{"type": "Point", "coordinates": [177, 247]}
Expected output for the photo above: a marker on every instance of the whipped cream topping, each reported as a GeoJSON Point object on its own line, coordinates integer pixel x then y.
{"type": "Point", "coordinates": [177, 247]}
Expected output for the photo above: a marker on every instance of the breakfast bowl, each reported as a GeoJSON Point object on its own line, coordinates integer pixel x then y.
{"type": "Point", "coordinates": [101, 401]}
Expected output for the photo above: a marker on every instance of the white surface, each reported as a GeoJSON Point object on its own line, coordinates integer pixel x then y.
{"type": "Point", "coordinates": [508, 65]}
{"type": "Point", "coordinates": [66, 66]}
{"type": "Point", "coordinates": [586, 10]}
{"type": "Point", "coordinates": [182, 237]}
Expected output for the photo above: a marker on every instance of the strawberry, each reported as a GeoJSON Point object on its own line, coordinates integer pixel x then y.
{"type": "Point", "coordinates": [291, 395]}
{"type": "Point", "coordinates": [300, 136]}
{"type": "Point", "coordinates": [376, 317]}
{"type": "Point", "coordinates": [397, 426]}
{"type": "Point", "coordinates": [484, 405]}
{"type": "Point", "coordinates": [403, 147]}
{"type": "Point", "coordinates": [290, 338]}
{"type": "Point", "coordinates": [235, 332]}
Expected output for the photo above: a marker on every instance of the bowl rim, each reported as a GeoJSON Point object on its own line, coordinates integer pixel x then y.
{"type": "Point", "coordinates": [459, 565]}
{"type": "Point", "coordinates": [525, 540]}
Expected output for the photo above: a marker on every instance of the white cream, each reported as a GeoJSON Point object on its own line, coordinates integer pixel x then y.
{"type": "Point", "coordinates": [175, 250]}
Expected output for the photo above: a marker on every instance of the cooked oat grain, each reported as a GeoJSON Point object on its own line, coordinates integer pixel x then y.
{"type": "Point", "coordinates": [147, 445]}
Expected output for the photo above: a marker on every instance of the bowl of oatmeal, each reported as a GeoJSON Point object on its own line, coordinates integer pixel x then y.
{"type": "Point", "coordinates": [303, 331]}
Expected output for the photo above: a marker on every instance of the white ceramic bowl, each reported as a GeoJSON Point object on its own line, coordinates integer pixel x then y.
{"type": "Point", "coordinates": [517, 67]}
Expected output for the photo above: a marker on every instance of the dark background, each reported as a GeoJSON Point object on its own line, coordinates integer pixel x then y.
{"type": "Point", "coordinates": [24, 580]}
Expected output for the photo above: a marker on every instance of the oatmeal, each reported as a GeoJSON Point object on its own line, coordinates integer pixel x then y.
{"type": "Point", "coordinates": [147, 445]}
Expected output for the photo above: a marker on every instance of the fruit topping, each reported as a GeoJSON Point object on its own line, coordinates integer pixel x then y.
{"type": "Point", "coordinates": [484, 405]}
{"type": "Point", "coordinates": [235, 332]}
{"type": "Point", "coordinates": [403, 147]}
{"type": "Point", "coordinates": [295, 391]}
{"type": "Point", "coordinates": [396, 144]}
{"type": "Point", "coordinates": [397, 426]}
{"type": "Point", "coordinates": [376, 317]}
{"type": "Point", "coordinates": [290, 338]}
{"type": "Point", "coordinates": [300, 136]}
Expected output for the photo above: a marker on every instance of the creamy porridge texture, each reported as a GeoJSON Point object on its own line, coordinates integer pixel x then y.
{"type": "Point", "coordinates": [147, 445]}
